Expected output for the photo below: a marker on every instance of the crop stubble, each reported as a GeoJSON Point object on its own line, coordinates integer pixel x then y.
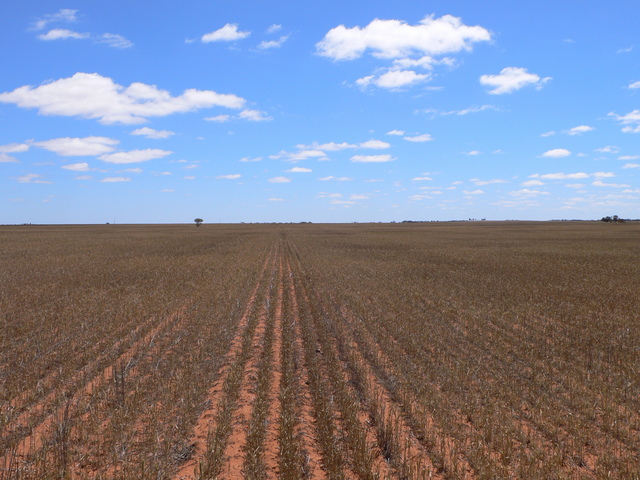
{"type": "Point", "coordinates": [341, 352]}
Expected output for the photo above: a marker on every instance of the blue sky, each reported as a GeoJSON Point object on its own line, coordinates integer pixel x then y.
{"type": "Point", "coordinates": [262, 111]}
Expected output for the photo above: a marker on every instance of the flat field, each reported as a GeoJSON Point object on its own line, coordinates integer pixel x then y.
{"type": "Point", "coordinates": [481, 350]}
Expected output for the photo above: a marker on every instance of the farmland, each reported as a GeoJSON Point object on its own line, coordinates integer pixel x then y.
{"type": "Point", "coordinates": [402, 351]}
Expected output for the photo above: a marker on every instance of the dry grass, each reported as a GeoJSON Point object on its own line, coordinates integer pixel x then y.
{"type": "Point", "coordinates": [462, 351]}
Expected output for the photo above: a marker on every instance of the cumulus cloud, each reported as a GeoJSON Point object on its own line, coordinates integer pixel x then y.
{"type": "Point", "coordinates": [580, 130]}
{"type": "Point", "coordinates": [254, 116]}
{"type": "Point", "coordinates": [600, 183]}
{"type": "Point", "coordinates": [299, 170]}
{"type": "Point", "coordinates": [526, 192]}
{"type": "Point", "coordinates": [32, 178]}
{"type": "Point", "coordinates": [396, 132]}
{"type": "Point", "coordinates": [393, 79]}
{"type": "Point", "coordinates": [299, 155]}
{"type": "Point", "coordinates": [560, 176]}
{"type": "Point", "coordinates": [135, 156]}
{"type": "Point", "coordinates": [556, 153]}
{"type": "Point", "coordinates": [228, 33]}
{"type": "Point", "coordinates": [4, 158]}
{"type": "Point", "coordinates": [372, 158]}
{"type": "Point", "coordinates": [420, 179]}
{"type": "Point", "coordinates": [425, 137]}
{"type": "Point", "coordinates": [532, 183]}
{"type": "Point", "coordinates": [337, 179]}
{"type": "Point", "coordinates": [115, 179]}
{"type": "Point", "coordinates": [279, 180]}
{"type": "Point", "coordinates": [487, 182]}
{"type": "Point", "coordinates": [90, 95]}
{"type": "Point", "coordinates": [375, 144]}
{"type": "Point", "coordinates": [511, 79]}
{"type": "Point", "coordinates": [473, 192]}
{"type": "Point", "coordinates": [249, 159]}
{"type": "Point", "coordinates": [267, 44]}
{"type": "Point", "coordinates": [151, 133]}
{"type": "Point", "coordinates": [631, 165]}
{"type": "Point", "coordinates": [14, 148]}
{"type": "Point", "coordinates": [631, 120]}
{"type": "Point", "coordinates": [79, 147]}
{"type": "Point", "coordinates": [396, 39]}
{"type": "Point", "coordinates": [233, 176]}
{"type": "Point", "coordinates": [608, 149]}
{"type": "Point", "coordinates": [62, 34]}
{"type": "Point", "coordinates": [77, 167]}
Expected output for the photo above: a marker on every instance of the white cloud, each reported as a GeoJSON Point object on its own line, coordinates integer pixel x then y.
{"type": "Point", "coordinates": [228, 33]}
{"type": "Point", "coordinates": [63, 15]}
{"type": "Point", "coordinates": [375, 144]}
{"type": "Point", "coordinates": [62, 34]}
{"type": "Point", "coordinates": [526, 192]}
{"type": "Point", "coordinates": [233, 176]}
{"type": "Point", "coordinates": [560, 176]}
{"type": "Point", "coordinates": [631, 118]}
{"type": "Point", "coordinates": [90, 95]}
{"type": "Point", "coordinates": [600, 183]}
{"type": "Point", "coordinates": [394, 79]}
{"type": "Point", "coordinates": [396, 39]}
{"type": "Point", "coordinates": [151, 133]}
{"type": "Point", "coordinates": [511, 79]}
{"type": "Point", "coordinates": [135, 156]}
{"type": "Point", "coordinates": [623, 157]}
{"type": "Point", "coordinates": [275, 199]}
{"type": "Point", "coordinates": [77, 167]}
{"type": "Point", "coordinates": [581, 129]}
{"type": "Point", "coordinates": [274, 28]}
{"type": "Point", "coordinates": [114, 40]}
{"type": "Point", "coordinates": [372, 158]}
{"type": "Point", "coordinates": [279, 180]}
{"type": "Point", "coordinates": [31, 178]}
{"type": "Point", "coordinates": [131, 170]}
{"type": "Point", "coordinates": [634, 85]}
{"type": "Point", "coordinates": [14, 148]}
{"type": "Point", "coordinates": [300, 155]}
{"type": "Point", "coordinates": [396, 132]}
{"type": "Point", "coordinates": [254, 116]}
{"type": "Point", "coordinates": [473, 192]}
{"type": "Point", "coordinates": [532, 183]}
{"type": "Point", "coordinates": [548, 134]}
{"type": "Point", "coordinates": [299, 170]}
{"type": "Point", "coordinates": [464, 111]}
{"type": "Point", "coordinates": [419, 179]}
{"type": "Point", "coordinates": [487, 182]}
{"type": "Point", "coordinates": [631, 165]}
{"type": "Point", "coordinates": [248, 159]}
{"type": "Point", "coordinates": [608, 149]}
{"type": "Point", "coordinates": [219, 118]}
{"type": "Point", "coordinates": [425, 137]}
{"type": "Point", "coordinates": [358, 196]}
{"type": "Point", "coordinates": [83, 177]}
{"type": "Point", "coordinates": [337, 179]}
{"type": "Point", "coordinates": [474, 152]}
{"type": "Point", "coordinates": [267, 44]}
{"type": "Point", "coordinates": [115, 179]}
{"type": "Point", "coordinates": [556, 153]}
{"type": "Point", "coordinates": [4, 158]}
{"type": "Point", "coordinates": [79, 147]}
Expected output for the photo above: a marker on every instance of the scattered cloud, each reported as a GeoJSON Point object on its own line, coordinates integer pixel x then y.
{"type": "Point", "coordinates": [631, 119]}
{"type": "Point", "coordinates": [276, 199]}
{"type": "Point", "coordinates": [4, 158]}
{"type": "Point", "coordinates": [249, 159]}
{"type": "Point", "coordinates": [64, 15]}
{"type": "Point", "coordinates": [487, 182]}
{"type": "Point", "coordinates": [274, 28]}
{"type": "Point", "coordinates": [151, 133]}
{"type": "Point", "coordinates": [62, 34]}
{"type": "Point", "coordinates": [527, 193]}
{"type": "Point", "coordinates": [372, 158]}
{"type": "Point", "coordinates": [556, 153]}
{"type": "Point", "coordinates": [464, 111]}
{"type": "Point", "coordinates": [375, 144]}
{"type": "Point", "coordinates": [79, 147]}
{"type": "Point", "coordinates": [115, 179]}
{"type": "Point", "coordinates": [608, 149]}
{"type": "Point", "coordinates": [511, 79]}
{"type": "Point", "coordinates": [268, 44]}
{"type": "Point", "coordinates": [420, 179]}
{"type": "Point", "coordinates": [233, 176]}
{"type": "Point", "coordinates": [631, 165]}
{"type": "Point", "coordinates": [14, 148]}
{"type": "Point", "coordinates": [228, 33]}
{"type": "Point", "coordinates": [391, 39]}
{"type": "Point", "coordinates": [623, 157]}
{"type": "Point", "coordinates": [254, 116]}
{"type": "Point", "coordinates": [473, 152]}
{"type": "Point", "coordinates": [90, 95]}
{"type": "Point", "coordinates": [532, 183]}
{"type": "Point", "coordinates": [32, 178]}
{"type": "Point", "coordinates": [299, 170]}
{"type": "Point", "coordinates": [473, 192]}
{"type": "Point", "coordinates": [299, 155]}
{"type": "Point", "coordinates": [132, 170]}
{"type": "Point", "coordinates": [77, 167]}
{"type": "Point", "coordinates": [634, 85]}
{"type": "Point", "coordinates": [279, 180]}
{"type": "Point", "coordinates": [425, 137]}
{"type": "Point", "coordinates": [396, 132]}
{"type": "Point", "coordinates": [219, 118]}
{"type": "Point", "coordinates": [580, 130]}
{"type": "Point", "coordinates": [337, 179]}
{"type": "Point", "coordinates": [134, 156]}
{"type": "Point", "coordinates": [393, 79]}
{"type": "Point", "coordinates": [600, 183]}
{"type": "Point", "coordinates": [114, 40]}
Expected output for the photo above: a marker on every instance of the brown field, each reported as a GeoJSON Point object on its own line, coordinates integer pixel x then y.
{"type": "Point", "coordinates": [406, 351]}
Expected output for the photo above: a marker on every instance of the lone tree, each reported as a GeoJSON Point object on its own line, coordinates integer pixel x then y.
{"type": "Point", "coordinates": [198, 221]}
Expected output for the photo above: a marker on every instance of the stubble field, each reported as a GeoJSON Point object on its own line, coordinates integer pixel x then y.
{"type": "Point", "coordinates": [400, 351]}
